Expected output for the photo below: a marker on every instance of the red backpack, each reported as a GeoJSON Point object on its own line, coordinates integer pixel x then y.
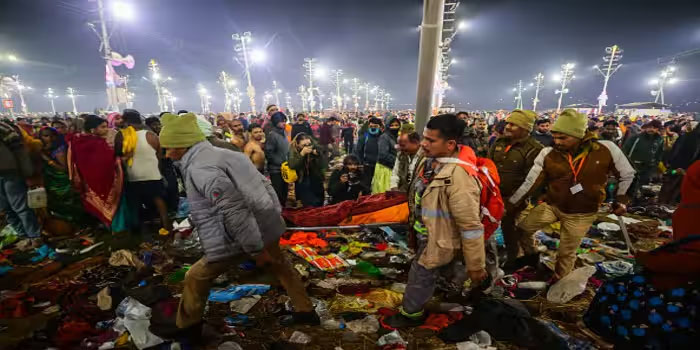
{"type": "Point", "coordinates": [485, 171]}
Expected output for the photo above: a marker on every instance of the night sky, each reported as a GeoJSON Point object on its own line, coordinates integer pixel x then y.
{"type": "Point", "coordinates": [374, 40]}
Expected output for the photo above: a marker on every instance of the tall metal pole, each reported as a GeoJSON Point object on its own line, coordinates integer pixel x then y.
{"type": "Point", "coordinates": [156, 81]}
{"type": "Point", "coordinates": [71, 94]}
{"type": "Point", "coordinates": [129, 94]}
{"type": "Point", "coordinates": [428, 59]}
{"type": "Point", "coordinates": [612, 65]}
{"type": "Point", "coordinates": [567, 73]}
{"type": "Point", "coordinates": [51, 97]}
{"type": "Point", "coordinates": [310, 65]}
{"type": "Point", "coordinates": [112, 101]}
{"type": "Point", "coordinates": [237, 100]}
{"type": "Point", "coordinates": [337, 73]}
{"type": "Point", "coordinates": [226, 82]}
{"type": "Point", "coordinates": [666, 77]}
{"type": "Point", "coordinates": [355, 96]}
{"type": "Point", "coordinates": [519, 95]}
{"type": "Point", "coordinates": [539, 79]}
{"type": "Point", "coordinates": [21, 87]}
{"type": "Point", "coordinates": [243, 39]}
{"type": "Point", "coordinates": [302, 95]}
{"type": "Point", "coordinates": [276, 92]}
{"type": "Point", "coordinates": [288, 103]}
{"type": "Point", "coordinates": [366, 87]}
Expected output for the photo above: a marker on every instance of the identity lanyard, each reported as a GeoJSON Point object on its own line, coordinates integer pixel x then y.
{"type": "Point", "coordinates": [580, 165]}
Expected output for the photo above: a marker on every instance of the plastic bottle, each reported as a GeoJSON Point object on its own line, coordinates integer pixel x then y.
{"type": "Point", "coordinates": [327, 320]}
{"type": "Point", "coordinates": [368, 268]}
{"type": "Point", "coordinates": [178, 275]}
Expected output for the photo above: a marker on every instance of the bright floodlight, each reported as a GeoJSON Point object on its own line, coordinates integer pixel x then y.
{"type": "Point", "coordinates": [463, 25]}
{"type": "Point", "coordinates": [653, 81]}
{"type": "Point", "coordinates": [570, 65]}
{"type": "Point", "coordinates": [231, 82]}
{"type": "Point", "coordinates": [320, 72]}
{"type": "Point", "coordinates": [671, 68]}
{"type": "Point", "coordinates": [673, 80]}
{"type": "Point", "coordinates": [258, 56]}
{"type": "Point", "coordinates": [514, 89]}
{"type": "Point", "coordinates": [345, 81]}
{"type": "Point", "coordinates": [556, 77]}
{"type": "Point", "coordinates": [156, 76]}
{"type": "Point", "coordinates": [123, 10]}
{"type": "Point", "coordinates": [453, 61]}
{"type": "Point", "coordinates": [12, 58]}
{"type": "Point", "coordinates": [202, 91]}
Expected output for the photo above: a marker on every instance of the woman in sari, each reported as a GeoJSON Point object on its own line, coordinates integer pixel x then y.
{"type": "Point", "coordinates": [63, 201]}
{"type": "Point", "coordinates": [97, 173]}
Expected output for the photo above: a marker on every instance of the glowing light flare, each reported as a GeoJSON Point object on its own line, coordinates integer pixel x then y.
{"type": "Point", "coordinates": [320, 72]}
{"type": "Point", "coordinates": [653, 81]}
{"type": "Point", "coordinates": [673, 80]}
{"type": "Point", "coordinates": [463, 25]}
{"type": "Point", "coordinates": [123, 10]}
{"type": "Point", "coordinates": [258, 56]}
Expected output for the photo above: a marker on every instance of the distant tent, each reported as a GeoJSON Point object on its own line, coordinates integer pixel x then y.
{"type": "Point", "coordinates": [643, 105]}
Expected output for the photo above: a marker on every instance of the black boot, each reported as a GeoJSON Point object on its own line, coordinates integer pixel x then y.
{"type": "Point", "coordinates": [402, 321]}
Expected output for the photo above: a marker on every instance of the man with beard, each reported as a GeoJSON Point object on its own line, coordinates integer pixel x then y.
{"type": "Point", "coordinates": [575, 170]}
{"type": "Point", "coordinates": [644, 151]}
{"type": "Point", "coordinates": [514, 154]}
{"type": "Point", "coordinates": [611, 131]}
{"type": "Point", "coordinates": [238, 136]}
{"type": "Point", "coordinates": [254, 148]}
{"type": "Point", "coordinates": [542, 134]}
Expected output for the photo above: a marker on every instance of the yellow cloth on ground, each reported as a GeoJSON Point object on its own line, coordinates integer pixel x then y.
{"type": "Point", "coordinates": [381, 180]}
{"type": "Point", "coordinates": [129, 144]}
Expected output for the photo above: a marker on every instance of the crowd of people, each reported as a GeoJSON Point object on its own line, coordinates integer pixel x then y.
{"type": "Point", "coordinates": [122, 170]}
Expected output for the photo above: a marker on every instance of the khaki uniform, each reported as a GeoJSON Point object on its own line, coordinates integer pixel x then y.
{"type": "Point", "coordinates": [513, 162]}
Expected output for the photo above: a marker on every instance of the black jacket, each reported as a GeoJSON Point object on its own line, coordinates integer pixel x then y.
{"type": "Point", "coordinates": [276, 149]}
{"type": "Point", "coordinates": [545, 139]}
{"type": "Point", "coordinates": [299, 128]}
{"type": "Point", "coordinates": [345, 191]}
{"type": "Point", "coordinates": [367, 148]}
{"type": "Point", "coordinates": [387, 149]}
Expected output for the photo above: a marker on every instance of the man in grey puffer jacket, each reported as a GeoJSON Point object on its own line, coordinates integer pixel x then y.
{"type": "Point", "coordinates": [236, 213]}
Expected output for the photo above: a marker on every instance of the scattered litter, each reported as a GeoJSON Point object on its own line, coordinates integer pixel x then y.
{"type": "Point", "coordinates": [322, 262]}
{"type": "Point", "coordinates": [393, 338]}
{"type": "Point", "coordinates": [125, 257]}
{"type": "Point", "coordinates": [368, 324]}
{"type": "Point", "coordinates": [615, 267]}
{"type": "Point", "coordinates": [136, 318]}
{"type": "Point", "coordinates": [571, 285]}
{"type": "Point", "coordinates": [535, 285]}
{"type": "Point", "coordinates": [237, 292]}
{"type": "Point", "coordinates": [299, 338]}
{"type": "Point", "coordinates": [398, 287]}
{"type": "Point", "coordinates": [591, 257]}
{"type": "Point", "coordinates": [608, 226]}
{"type": "Point", "coordinates": [626, 219]}
{"type": "Point", "coordinates": [244, 305]}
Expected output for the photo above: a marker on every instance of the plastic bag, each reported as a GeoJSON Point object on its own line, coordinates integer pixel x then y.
{"type": "Point", "coordinates": [136, 319]}
{"type": "Point", "coordinates": [299, 338]}
{"type": "Point", "coordinates": [36, 198]}
{"type": "Point", "coordinates": [368, 324]}
{"type": "Point", "coordinates": [571, 285]}
{"type": "Point", "coordinates": [237, 292]}
{"type": "Point", "coordinates": [391, 339]}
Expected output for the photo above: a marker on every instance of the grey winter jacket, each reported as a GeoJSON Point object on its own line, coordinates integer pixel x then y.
{"type": "Point", "coordinates": [276, 149]}
{"type": "Point", "coordinates": [232, 205]}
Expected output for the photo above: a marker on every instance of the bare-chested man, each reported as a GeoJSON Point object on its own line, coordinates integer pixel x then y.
{"type": "Point", "coordinates": [254, 148]}
{"type": "Point", "coordinates": [238, 136]}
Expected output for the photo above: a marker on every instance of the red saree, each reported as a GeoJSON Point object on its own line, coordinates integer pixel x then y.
{"type": "Point", "coordinates": [97, 173]}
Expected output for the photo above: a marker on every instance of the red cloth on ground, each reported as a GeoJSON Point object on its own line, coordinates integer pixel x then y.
{"type": "Point", "coordinates": [98, 175]}
{"type": "Point", "coordinates": [332, 215]}
{"type": "Point", "coordinates": [437, 322]}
